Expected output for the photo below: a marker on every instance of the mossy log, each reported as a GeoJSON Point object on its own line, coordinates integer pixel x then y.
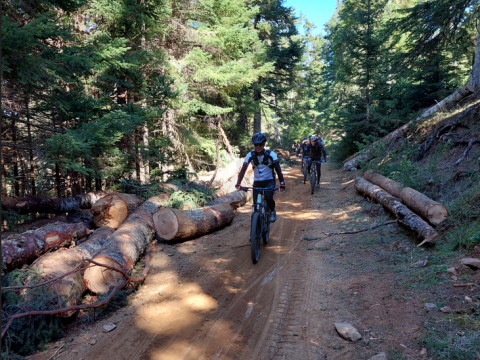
{"type": "Point", "coordinates": [411, 220]}
{"type": "Point", "coordinates": [174, 224]}
{"type": "Point", "coordinates": [123, 249]}
{"type": "Point", "coordinates": [45, 205]}
{"type": "Point", "coordinates": [20, 249]}
{"type": "Point", "coordinates": [432, 211]}
{"type": "Point", "coordinates": [55, 264]}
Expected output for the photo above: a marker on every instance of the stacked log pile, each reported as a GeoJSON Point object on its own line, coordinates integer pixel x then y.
{"type": "Point", "coordinates": [123, 249]}
{"type": "Point", "coordinates": [112, 210]}
{"type": "Point", "coordinates": [282, 154]}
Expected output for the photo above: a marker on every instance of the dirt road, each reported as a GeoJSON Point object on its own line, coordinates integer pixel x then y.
{"type": "Point", "coordinates": [204, 299]}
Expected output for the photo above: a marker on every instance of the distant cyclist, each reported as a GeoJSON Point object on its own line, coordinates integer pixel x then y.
{"type": "Point", "coordinates": [264, 163]}
{"type": "Point", "coordinates": [315, 150]}
{"type": "Point", "coordinates": [296, 147]}
{"type": "Point", "coordinates": [303, 148]}
{"type": "Point", "coordinates": [320, 138]}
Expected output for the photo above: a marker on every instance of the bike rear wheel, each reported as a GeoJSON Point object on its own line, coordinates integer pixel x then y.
{"type": "Point", "coordinates": [305, 173]}
{"type": "Point", "coordinates": [312, 181]}
{"type": "Point", "coordinates": [255, 235]}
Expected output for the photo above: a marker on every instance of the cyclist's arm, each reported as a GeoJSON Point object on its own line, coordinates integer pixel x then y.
{"type": "Point", "coordinates": [324, 152]}
{"type": "Point", "coordinates": [276, 166]}
{"type": "Point", "coordinates": [242, 173]}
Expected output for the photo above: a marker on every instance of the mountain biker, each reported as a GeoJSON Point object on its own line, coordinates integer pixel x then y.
{"type": "Point", "coordinates": [304, 148]}
{"type": "Point", "coordinates": [320, 138]}
{"type": "Point", "coordinates": [296, 147]}
{"type": "Point", "coordinates": [315, 150]}
{"type": "Point", "coordinates": [264, 163]}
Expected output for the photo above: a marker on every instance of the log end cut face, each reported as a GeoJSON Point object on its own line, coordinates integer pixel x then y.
{"type": "Point", "coordinates": [110, 211]}
{"type": "Point", "coordinates": [437, 214]}
{"type": "Point", "coordinates": [99, 279]}
{"type": "Point", "coordinates": [166, 223]}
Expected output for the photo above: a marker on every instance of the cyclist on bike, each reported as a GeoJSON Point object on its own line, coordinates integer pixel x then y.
{"type": "Point", "coordinates": [303, 148]}
{"type": "Point", "coordinates": [315, 150]}
{"type": "Point", "coordinates": [264, 163]}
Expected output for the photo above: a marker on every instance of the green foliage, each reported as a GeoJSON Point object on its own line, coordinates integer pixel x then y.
{"type": "Point", "coordinates": [12, 219]}
{"type": "Point", "coordinates": [195, 197]}
{"type": "Point", "coordinates": [29, 334]}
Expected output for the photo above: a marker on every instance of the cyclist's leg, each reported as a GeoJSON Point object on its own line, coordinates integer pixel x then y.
{"type": "Point", "coordinates": [269, 194]}
{"type": "Point", "coordinates": [319, 172]}
{"type": "Point", "coordinates": [309, 165]}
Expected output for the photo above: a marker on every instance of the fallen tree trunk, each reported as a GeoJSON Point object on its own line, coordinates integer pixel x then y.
{"type": "Point", "coordinates": [432, 211]}
{"type": "Point", "coordinates": [404, 215]}
{"type": "Point", "coordinates": [123, 249]}
{"type": "Point", "coordinates": [112, 210]}
{"type": "Point", "coordinates": [240, 197]}
{"type": "Point", "coordinates": [21, 249]}
{"type": "Point", "coordinates": [55, 264]}
{"type": "Point", "coordinates": [174, 224]}
{"type": "Point", "coordinates": [368, 155]}
{"type": "Point", "coordinates": [282, 154]}
{"type": "Point", "coordinates": [229, 186]}
{"type": "Point", "coordinates": [44, 205]}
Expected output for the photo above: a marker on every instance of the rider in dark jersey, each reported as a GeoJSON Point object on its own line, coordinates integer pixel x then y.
{"type": "Point", "coordinates": [315, 150]}
{"type": "Point", "coordinates": [303, 148]}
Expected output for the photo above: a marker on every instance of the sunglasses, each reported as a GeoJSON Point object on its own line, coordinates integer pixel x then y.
{"type": "Point", "coordinates": [258, 145]}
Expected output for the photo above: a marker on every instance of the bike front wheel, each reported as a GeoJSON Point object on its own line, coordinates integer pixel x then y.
{"type": "Point", "coordinates": [266, 229]}
{"type": "Point", "coordinates": [255, 235]}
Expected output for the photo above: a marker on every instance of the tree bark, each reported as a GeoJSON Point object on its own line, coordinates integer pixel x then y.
{"type": "Point", "coordinates": [421, 228]}
{"type": "Point", "coordinates": [225, 139]}
{"type": "Point", "coordinates": [123, 249]}
{"type": "Point", "coordinates": [33, 204]}
{"type": "Point", "coordinates": [432, 211]}
{"type": "Point", "coordinates": [174, 224]}
{"type": "Point", "coordinates": [20, 249]}
{"type": "Point", "coordinates": [475, 73]}
{"type": "Point", "coordinates": [57, 263]}
{"type": "Point", "coordinates": [257, 116]}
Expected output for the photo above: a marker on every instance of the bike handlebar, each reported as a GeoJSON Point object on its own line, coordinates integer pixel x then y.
{"type": "Point", "coordinates": [246, 188]}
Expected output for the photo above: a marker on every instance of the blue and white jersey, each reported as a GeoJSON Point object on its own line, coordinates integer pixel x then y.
{"type": "Point", "coordinates": [262, 172]}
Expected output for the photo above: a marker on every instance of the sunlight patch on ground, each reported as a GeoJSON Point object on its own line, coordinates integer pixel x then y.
{"type": "Point", "coordinates": [174, 309]}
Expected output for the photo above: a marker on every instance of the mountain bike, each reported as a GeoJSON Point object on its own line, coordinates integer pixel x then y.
{"type": "Point", "coordinates": [260, 224]}
{"type": "Point", "coordinates": [313, 175]}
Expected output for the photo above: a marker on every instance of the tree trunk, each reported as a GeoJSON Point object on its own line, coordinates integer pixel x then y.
{"type": "Point", "coordinates": [174, 224]}
{"type": "Point", "coordinates": [229, 186]}
{"type": "Point", "coordinates": [57, 263]}
{"type": "Point", "coordinates": [30, 152]}
{"type": "Point", "coordinates": [475, 73]}
{"type": "Point", "coordinates": [20, 249]}
{"type": "Point", "coordinates": [123, 249]}
{"type": "Point", "coordinates": [224, 138]}
{"type": "Point", "coordinates": [16, 185]}
{"type": "Point", "coordinates": [45, 205]}
{"type": "Point", "coordinates": [257, 117]}
{"type": "Point", "coordinates": [403, 214]}
{"type": "Point", "coordinates": [432, 211]}
{"type": "Point", "coordinates": [112, 210]}
{"type": "Point", "coordinates": [367, 155]}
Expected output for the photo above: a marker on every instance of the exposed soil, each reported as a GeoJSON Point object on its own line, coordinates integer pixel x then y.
{"type": "Point", "coordinates": [204, 299]}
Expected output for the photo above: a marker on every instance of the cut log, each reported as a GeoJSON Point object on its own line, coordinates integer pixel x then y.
{"type": "Point", "coordinates": [421, 228]}
{"type": "Point", "coordinates": [432, 211]}
{"type": "Point", "coordinates": [385, 183]}
{"type": "Point", "coordinates": [367, 155]}
{"type": "Point", "coordinates": [21, 249]}
{"type": "Point", "coordinates": [123, 249]}
{"type": "Point", "coordinates": [282, 154]}
{"type": "Point", "coordinates": [84, 216]}
{"type": "Point", "coordinates": [229, 186]}
{"type": "Point", "coordinates": [240, 197]}
{"type": "Point", "coordinates": [36, 224]}
{"type": "Point", "coordinates": [44, 205]}
{"type": "Point", "coordinates": [110, 211]}
{"type": "Point", "coordinates": [174, 224]}
{"type": "Point", "coordinates": [55, 264]}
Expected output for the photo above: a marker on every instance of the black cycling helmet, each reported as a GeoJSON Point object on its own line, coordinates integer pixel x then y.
{"type": "Point", "coordinates": [310, 137]}
{"type": "Point", "coordinates": [258, 138]}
